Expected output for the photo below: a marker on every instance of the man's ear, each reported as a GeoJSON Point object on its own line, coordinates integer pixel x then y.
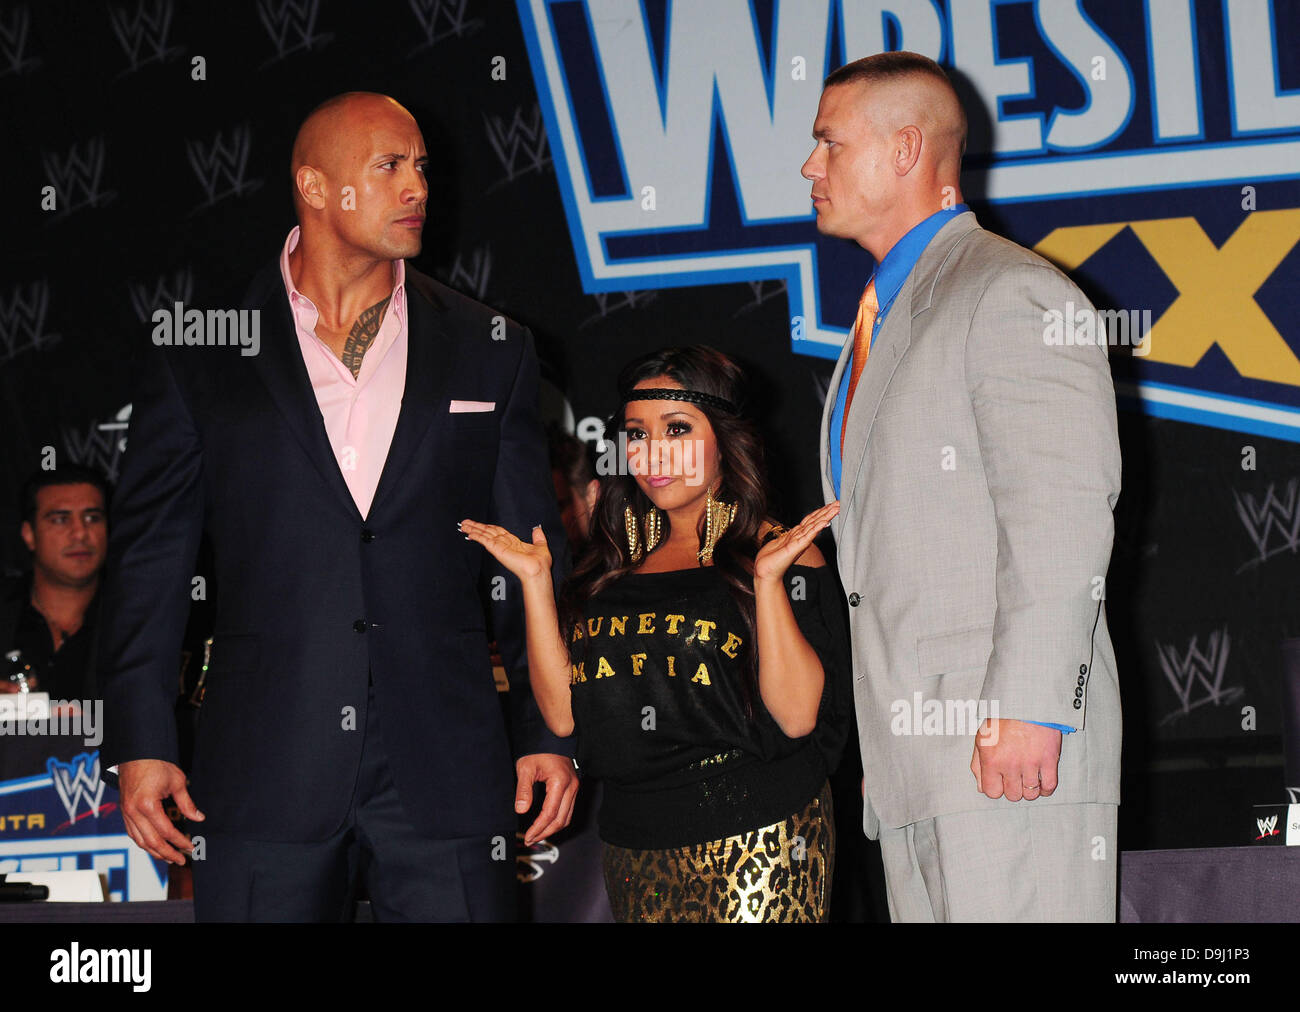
{"type": "Point", "coordinates": [28, 535]}
{"type": "Point", "coordinates": [308, 181]}
{"type": "Point", "coordinates": [592, 494]}
{"type": "Point", "coordinates": [907, 149]}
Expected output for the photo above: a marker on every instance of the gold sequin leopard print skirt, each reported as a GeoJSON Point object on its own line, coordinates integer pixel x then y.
{"type": "Point", "coordinates": [777, 874]}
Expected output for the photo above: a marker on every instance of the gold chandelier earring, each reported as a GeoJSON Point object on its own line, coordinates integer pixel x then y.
{"type": "Point", "coordinates": [717, 517]}
{"type": "Point", "coordinates": [633, 533]}
{"type": "Point", "coordinates": [654, 529]}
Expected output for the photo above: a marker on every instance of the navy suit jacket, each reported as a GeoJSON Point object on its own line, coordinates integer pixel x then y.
{"type": "Point", "coordinates": [311, 598]}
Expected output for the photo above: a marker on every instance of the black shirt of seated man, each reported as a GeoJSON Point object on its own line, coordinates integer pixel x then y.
{"type": "Point", "coordinates": [64, 671]}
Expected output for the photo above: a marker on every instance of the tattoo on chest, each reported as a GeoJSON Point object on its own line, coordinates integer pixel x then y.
{"type": "Point", "coordinates": [362, 335]}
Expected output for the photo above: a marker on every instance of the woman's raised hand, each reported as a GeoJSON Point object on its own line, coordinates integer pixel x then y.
{"type": "Point", "coordinates": [775, 557]}
{"type": "Point", "coordinates": [526, 561]}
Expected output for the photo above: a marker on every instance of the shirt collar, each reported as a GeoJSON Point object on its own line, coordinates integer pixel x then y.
{"type": "Point", "coordinates": [899, 261]}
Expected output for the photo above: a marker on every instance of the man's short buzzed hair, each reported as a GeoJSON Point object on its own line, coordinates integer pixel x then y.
{"type": "Point", "coordinates": [894, 66]}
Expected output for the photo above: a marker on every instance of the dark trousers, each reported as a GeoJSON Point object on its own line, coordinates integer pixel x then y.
{"type": "Point", "coordinates": [408, 877]}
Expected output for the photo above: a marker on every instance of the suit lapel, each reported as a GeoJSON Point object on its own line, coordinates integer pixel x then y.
{"type": "Point", "coordinates": [893, 340]}
{"type": "Point", "coordinates": [431, 355]}
{"type": "Point", "coordinates": [891, 344]}
{"type": "Point", "coordinates": [284, 374]}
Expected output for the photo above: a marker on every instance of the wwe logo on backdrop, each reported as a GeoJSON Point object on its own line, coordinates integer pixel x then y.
{"type": "Point", "coordinates": [22, 320]}
{"type": "Point", "coordinates": [143, 34]}
{"type": "Point", "coordinates": [1196, 675]}
{"type": "Point", "coordinates": [441, 19]}
{"type": "Point", "coordinates": [76, 176]}
{"type": "Point", "coordinates": [220, 165]}
{"type": "Point", "coordinates": [612, 302]}
{"type": "Point", "coordinates": [762, 291]}
{"type": "Point", "coordinates": [520, 144]}
{"type": "Point", "coordinates": [1267, 827]}
{"type": "Point", "coordinates": [101, 445]}
{"type": "Point", "coordinates": [13, 40]}
{"type": "Point", "coordinates": [121, 421]}
{"type": "Point", "coordinates": [530, 861]}
{"type": "Point", "coordinates": [291, 25]}
{"type": "Point", "coordinates": [472, 278]}
{"type": "Point", "coordinates": [78, 781]}
{"type": "Point", "coordinates": [1273, 523]}
{"type": "Point", "coordinates": [165, 292]}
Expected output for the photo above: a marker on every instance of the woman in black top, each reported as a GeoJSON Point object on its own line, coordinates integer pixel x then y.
{"type": "Point", "coordinates": [699, 652]}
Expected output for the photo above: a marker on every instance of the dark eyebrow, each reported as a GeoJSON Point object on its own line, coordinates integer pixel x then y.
{"type": "Point", "coordinates": [393, 156]}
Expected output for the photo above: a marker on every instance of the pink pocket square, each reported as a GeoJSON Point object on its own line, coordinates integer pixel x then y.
{"type": "Point", "coordinates": [464, 407]}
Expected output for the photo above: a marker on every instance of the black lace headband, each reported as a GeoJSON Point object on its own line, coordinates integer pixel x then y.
{"type": "Point", "coordinates": [672, 394]}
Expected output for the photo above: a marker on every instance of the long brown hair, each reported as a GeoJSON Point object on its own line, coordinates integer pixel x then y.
{"type": "Point", "coordinates": [607, 557]}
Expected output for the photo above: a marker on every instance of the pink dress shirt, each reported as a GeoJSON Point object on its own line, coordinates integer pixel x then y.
{"type": "Point", "coordinates": [360, 413]}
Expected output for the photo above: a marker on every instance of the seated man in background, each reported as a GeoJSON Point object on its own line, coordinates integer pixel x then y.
{"type": "Point", "coordinates": [48, 614]}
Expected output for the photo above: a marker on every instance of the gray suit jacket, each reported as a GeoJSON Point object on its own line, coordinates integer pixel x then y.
{"type": "Point", "coordinates": [981, 466]}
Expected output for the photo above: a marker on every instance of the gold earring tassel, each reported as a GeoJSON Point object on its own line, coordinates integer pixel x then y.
{"type": "Point", "coordinates": [717, 517]}
{"type": "Point", "coordinates": [633, 534]}
{"type": "Point", "coordinates": [653, 529]}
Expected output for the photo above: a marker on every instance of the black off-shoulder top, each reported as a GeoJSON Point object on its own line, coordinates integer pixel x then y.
{"type": "Point", "coordinates": [659, 708]}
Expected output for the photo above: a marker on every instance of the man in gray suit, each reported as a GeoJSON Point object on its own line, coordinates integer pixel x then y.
{"type": "Point", "coordinates": [977, 465]}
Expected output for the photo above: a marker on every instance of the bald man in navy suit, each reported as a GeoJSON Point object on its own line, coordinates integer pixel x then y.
{"type": "Point", "coordinates": [350, 731]}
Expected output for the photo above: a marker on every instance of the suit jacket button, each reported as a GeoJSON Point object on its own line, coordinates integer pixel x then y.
{"type": "Point", "coordinates": [855, 599]}
{"type": "Point", "coordinates": [1083, 669]}
{"type": "Point", "coordinates": [367, 535]}
{"type": "Point", "coordinates": [1081, 679]}
{"type": "Point", "coordinates": [1078, 704]}
{"type": "Point", "coordinates": [1078, 693]}
{"type": "Point", "coordinates": [359, 625]}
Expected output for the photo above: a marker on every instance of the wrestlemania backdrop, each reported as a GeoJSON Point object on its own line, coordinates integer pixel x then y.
{"type": "Point", "coordinates": [624, 174]}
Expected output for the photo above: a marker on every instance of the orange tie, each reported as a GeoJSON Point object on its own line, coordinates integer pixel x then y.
{"type": "Point", "coordinates": [862, 327]}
